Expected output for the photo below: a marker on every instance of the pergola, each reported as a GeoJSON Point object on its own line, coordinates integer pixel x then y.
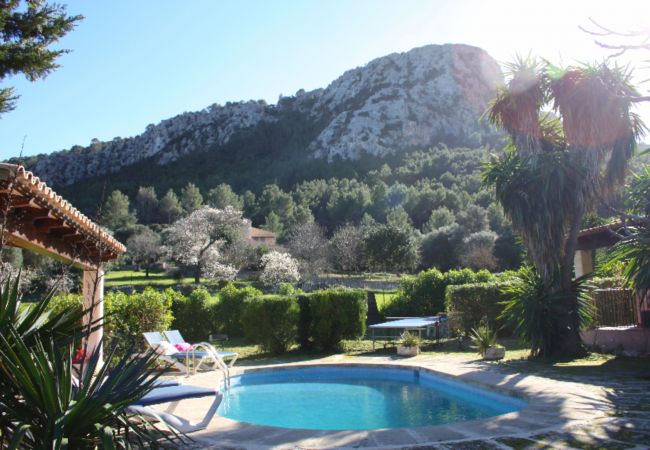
{"type": "Point", "coordinates": [35, 218]}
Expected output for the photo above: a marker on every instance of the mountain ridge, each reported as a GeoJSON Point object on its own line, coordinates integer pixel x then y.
{"type": "Point", "coordinates": [426, 96]}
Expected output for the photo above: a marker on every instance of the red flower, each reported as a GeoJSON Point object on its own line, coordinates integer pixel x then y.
{"type": "Point", "coordinates": [79, 355]}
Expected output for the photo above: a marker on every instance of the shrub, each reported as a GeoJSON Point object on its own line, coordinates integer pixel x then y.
{"type": "Point", "coordinates": [64, 302]}
{"type": "Point", "coordinates": [227, 313]}
{"type": "Point", "coordinates": [130, 315]}
{"type": "Point", "coordinates": [271, 321]}
{"type": "Point", "coordinates": [470, 303]}
{"type": "Point", "coordinates": [193, 315]}
{"type": "Point", "coordinates": [335, 314]}
{"type": "Point", "coordinates": [424, 294]}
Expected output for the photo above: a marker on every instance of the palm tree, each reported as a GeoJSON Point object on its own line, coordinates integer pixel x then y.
{"type": "Point", "coordinates": [572, 134]}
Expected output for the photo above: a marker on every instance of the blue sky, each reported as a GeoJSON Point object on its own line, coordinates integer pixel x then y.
{"type": "Point", "coordinates": [138, 62]}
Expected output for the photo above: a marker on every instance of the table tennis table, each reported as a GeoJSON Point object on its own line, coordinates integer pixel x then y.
{"type": "Point", "coordinates": [434, 327]}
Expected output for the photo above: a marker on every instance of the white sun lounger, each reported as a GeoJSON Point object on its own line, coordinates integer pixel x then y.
{"type": "Point", "coordinates": [191, 360]}
{"type": "Point", "coordinates": [175, 337]}
{"type": "Point", "coordinates": [171, 393]}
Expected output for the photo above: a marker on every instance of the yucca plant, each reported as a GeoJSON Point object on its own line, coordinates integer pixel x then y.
{"type": "Point", "coordinates": [532, 310]}
{"type": "Point", "coordinates": [410, 340]}
{"type": "Point", "coordinates": [44, 404]}
{"type": "Point", "coordinates": [483, 337]}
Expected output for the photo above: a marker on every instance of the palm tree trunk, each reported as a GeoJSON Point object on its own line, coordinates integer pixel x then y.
{"type": "Point", "coordinates": [570, 344]}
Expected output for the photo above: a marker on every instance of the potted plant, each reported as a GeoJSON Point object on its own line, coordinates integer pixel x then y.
{"type": "Point", "coordinates": [409, 344]}
{"type": "Point", "coordinates": [484, 339]}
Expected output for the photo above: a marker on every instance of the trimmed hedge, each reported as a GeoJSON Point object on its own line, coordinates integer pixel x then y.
{"type": "Point", "coordinates": [271, 321]}
{"type": "Point", "coordinates": [424, 294]}
{"type": "Point", "coordinates": [469, 303]}
{"type": "Point", "coordinates": [227, 313]}
{"type": "Point", "coordinates": [193, 315]}
{"type": "Point", "coordinates": [329, 316]}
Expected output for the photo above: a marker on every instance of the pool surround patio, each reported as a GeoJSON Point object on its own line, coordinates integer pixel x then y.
{"type": "Point", "coordinates": [553, 406]}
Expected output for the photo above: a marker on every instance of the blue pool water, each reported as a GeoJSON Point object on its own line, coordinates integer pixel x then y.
{"type": "Point", "coordinates": [350, 398]}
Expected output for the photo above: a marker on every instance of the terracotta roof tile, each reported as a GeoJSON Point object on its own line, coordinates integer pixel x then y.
{"type": "Point", "coordinates": [39, 189]}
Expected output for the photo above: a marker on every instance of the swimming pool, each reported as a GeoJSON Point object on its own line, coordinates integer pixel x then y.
{"type": "Point", "coordinates": [357, 398]}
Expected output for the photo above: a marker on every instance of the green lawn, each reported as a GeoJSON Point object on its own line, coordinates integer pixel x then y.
{"type": "Point", "coordinates": [384, 298]}
{"type": "Point", "coordinates": [137, 278]}
{"type": "Point", "coordinates": [252, 355]}
{"type": "Point", "coordinates": [516, 360]}
{"type": "Point", "coordinates": [370, 276]}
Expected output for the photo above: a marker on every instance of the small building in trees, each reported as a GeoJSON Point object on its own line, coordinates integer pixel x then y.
{"type": "Point", "coordinates": [35, 218]}
{"type": "Point", "coordinates": [260, 236]}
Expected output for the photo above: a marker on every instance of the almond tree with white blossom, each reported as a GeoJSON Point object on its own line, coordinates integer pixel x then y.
{"type": "Point", "coordinates": [279, 268]}
{"type": "Point", "coordinates": [197, 241]}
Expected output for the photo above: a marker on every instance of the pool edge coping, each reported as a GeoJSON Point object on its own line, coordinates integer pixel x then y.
{"type": "Point", "coordinates": [519, 423]}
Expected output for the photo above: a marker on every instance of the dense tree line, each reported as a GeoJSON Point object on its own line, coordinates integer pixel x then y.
{"type": "Point", "coordinates": [429, 205]}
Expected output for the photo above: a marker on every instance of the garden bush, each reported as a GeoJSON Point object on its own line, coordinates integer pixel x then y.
{"type": "Point", "coordinates": [333, 315]}
{"type": "Point", "coordinates": [193, 315]}
{"type": "Point", "coordinates": [470, 303]}
{"type": "Point", "coordinates": [271, 321]}
{"type": "Point", "coordinates": [127, 316]}
{"type": "Point", "coordinates": [424, 294]}
{"type": "Point", "coordinates": [227, 312]}
{"type": "Point", "coordinates": [64, 302]}
{"type": "Point", "coordinates": [130, 315]}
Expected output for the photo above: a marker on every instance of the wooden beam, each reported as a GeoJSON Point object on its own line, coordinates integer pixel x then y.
{"type": "Point", "coordinates": [24, 202]}
{"type": "Point", "coordinates": [67, 256]}
{"type": "Point", "coordinates": [46, 224]}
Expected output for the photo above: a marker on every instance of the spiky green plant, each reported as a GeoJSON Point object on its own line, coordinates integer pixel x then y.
{"type": "Point", "coordinates": [633, 252]}
{"type": "Point", "coordinates": [43, 404]}
{"type": "Point", "coordinates": [556, 169]}
{"type": "Point", "coordinates": [483, 337]}
{"type": "Point", "coordinates": [532, 311]}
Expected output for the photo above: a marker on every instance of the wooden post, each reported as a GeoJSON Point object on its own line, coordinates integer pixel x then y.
{"type": "Point", "coordinates": [93, 296]}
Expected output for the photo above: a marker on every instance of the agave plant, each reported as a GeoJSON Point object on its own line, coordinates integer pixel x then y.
{"type": "Point", "coordinates": [44, 404]}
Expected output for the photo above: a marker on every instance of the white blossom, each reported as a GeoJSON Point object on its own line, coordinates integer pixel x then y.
{"type": "Point", "coordinates": [197, 240]}
{"type": "Point", "coordinates": [279, 268]}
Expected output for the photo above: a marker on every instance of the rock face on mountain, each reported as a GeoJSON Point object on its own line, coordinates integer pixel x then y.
{"type": "Point", "coordinates": [423, 97]}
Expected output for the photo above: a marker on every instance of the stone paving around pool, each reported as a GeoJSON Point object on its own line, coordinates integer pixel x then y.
{"type": "Point", "coordinates": [589, 413]}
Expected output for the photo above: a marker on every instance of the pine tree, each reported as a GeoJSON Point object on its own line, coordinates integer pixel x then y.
{"type": "Point", "coordinates": [191, 198]}
{"type": "Point", "coordinates": [115, 213]}
{"type": "Point", "coordinates": [169, 207]}
{"type": "Point", "coordinates": [27, 30]}
{"type": "Point", "coordinates": [146, 204]}
{"type": "Point", "coordinates": [222, 195]}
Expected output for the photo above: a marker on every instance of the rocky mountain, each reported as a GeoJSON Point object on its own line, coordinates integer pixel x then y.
{"type": "Point", "coordinates": [413, 100]}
